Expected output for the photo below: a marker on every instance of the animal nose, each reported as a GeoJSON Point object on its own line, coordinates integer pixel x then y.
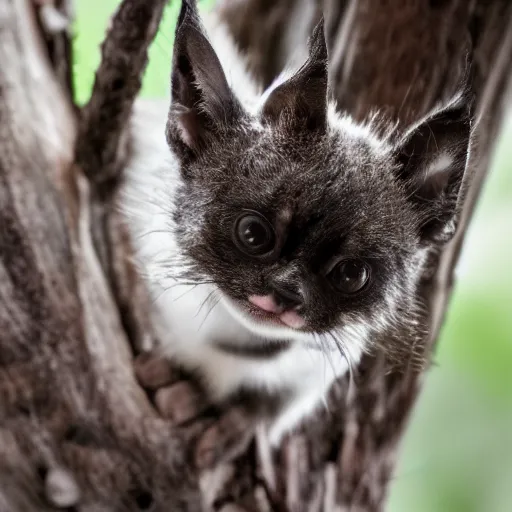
{"type": "Point", "coordinates": [287, 296]}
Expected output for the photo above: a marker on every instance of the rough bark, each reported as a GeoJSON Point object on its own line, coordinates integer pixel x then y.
{"type": "Point", "coordinates": [400, 58]}
{"type": "Point", "coordinates": [75, 427]}
{"type": "Point", "coordinates": [74, 424]}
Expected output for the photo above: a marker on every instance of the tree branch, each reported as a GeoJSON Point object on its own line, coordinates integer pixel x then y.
{"type": "Point", "coordinates": [69, 398]}
{"type": "Point", "coordinates": [400, 58]}
{"type": "Point", "coordinates": [102, 150]}
{"type": "Point", "coordinates": [75, 427]}
{"type": "Point", "coordinates": [124, 54]}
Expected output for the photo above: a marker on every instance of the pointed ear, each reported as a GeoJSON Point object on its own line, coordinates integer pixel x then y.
{"type": "Point", "coordinates": [202, 103]}
{"type": "Point", "coordinates": [432, 157]}
{"type": "Point", "coordinates": [301, 101]}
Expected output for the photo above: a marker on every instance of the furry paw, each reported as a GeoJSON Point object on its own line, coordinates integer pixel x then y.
{"type": "Point", "coordinates": [221, 433]}
{"type": "Point", "coordinates": [176, 399]}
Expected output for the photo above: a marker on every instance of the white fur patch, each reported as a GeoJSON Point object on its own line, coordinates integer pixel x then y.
{"type": "Point", "coordinates": [191, 319]}
{"type": "Point", "coordinates": [440, 164]}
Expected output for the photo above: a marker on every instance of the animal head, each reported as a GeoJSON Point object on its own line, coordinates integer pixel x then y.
{"type": "Point", "coordinates": [303, 219]}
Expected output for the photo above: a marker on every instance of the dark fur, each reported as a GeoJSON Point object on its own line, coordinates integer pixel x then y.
{"type": "Point", "coordinates": [329, 195]}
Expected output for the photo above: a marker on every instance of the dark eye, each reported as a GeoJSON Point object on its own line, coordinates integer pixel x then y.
{"type": "Point", "coordinates": [350, 276]}
{"type": "Point", "coordinates": [253, 234]}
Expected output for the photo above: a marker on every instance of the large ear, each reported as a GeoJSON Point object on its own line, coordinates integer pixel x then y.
{"type": "Point", "coordinates": [432, 157]}
{"type": "Point", "coordinates": [202, 103]}
{"type": "Point", "coordinates": [301, 101]}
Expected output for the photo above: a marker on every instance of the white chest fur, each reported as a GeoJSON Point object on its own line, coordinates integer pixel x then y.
{"type": "Point", "coordinates": [194, 328]}
{"type": "Point", "coordinates": [189, 327]}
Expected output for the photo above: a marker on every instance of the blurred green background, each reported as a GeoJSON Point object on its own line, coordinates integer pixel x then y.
{"type": "Point", "coordinates": [457, 454]}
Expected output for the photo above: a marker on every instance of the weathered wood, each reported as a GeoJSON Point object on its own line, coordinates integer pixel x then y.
{"type": "Point", "coordinates": [68, 396]}
{"type": "Point", "coordinates": [74, 424]}
{"type": "Point", "coordinates": [102, 149]}
{"type": "Point", "coordinates": [400, 58]}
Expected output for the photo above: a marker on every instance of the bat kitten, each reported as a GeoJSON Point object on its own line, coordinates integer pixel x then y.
{"type": "Point", "coordinates": [280, 238]}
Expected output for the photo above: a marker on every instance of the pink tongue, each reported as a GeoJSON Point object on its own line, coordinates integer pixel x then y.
{"type": "Point", "coordinates": [292, 319]}
{"type": "Point", "coordinates": [266, 303]}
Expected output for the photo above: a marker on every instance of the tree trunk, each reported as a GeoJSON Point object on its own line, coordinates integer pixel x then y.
{"type": "Point", "coordinates": [75, 427]}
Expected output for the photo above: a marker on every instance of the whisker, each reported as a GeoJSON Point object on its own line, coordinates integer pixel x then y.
{"type": "Point", "coordinates": [165, 289]}
{"type": "Point", "coordinates": [152, 232]}
{"type": "Point", "coordinates": [326, 352]}
{"type": "Point", "coordinates": [345, 353]}
{"type": "Point", "coordinates": [214, 305]}
{"type": "Point", "coordinates": [192, 288]}
{"type": "Point", "coordinates": [159, 296]}
{"type": "Point", "coordinates": [204, 302]}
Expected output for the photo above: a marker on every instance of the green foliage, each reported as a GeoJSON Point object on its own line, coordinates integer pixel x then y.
{"type": "Point", "coordinates": [457, 455]}
{"type": "Point", "coordinates": [91, 22]}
